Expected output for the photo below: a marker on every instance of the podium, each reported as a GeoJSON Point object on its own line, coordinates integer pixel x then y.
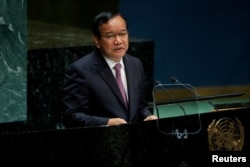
{"type": "Point", "coordinates": [217, 137]}
{"type": "Point", "coordinates": [138, 144]}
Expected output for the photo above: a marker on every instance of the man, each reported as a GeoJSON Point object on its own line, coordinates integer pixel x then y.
{"type": "Point", "coordinates": [91, 93]}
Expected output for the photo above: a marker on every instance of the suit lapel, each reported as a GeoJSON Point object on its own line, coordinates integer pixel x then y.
{"type": "Point", "coordinates": [129, 74]}
{"type": "Point", "coordinates": [107, 75]}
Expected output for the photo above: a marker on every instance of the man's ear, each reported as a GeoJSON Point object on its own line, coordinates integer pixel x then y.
{"type": "Point", "coordinates": [95, 39]}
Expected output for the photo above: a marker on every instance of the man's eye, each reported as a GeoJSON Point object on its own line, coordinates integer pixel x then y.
{"type": "Point", "coordinates": [110, 36]}
{"type": "Point", "coordinates": [122, 34]}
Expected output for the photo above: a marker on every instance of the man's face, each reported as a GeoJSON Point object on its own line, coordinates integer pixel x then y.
{"type": "Point", "coordinates": [113, 42]}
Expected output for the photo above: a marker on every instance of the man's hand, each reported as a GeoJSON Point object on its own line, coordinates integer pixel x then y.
{"type": "Point", "coordinates": [151, 117]}
{"type": "Point", "coordinates": [116, 121]}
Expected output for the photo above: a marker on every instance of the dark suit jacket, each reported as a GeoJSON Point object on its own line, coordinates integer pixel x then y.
{"type": "Point", "coordinates": [91, 95]}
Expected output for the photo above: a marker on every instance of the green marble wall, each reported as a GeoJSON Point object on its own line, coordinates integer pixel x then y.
{"type": "Point", "coordinates": [13, 61]}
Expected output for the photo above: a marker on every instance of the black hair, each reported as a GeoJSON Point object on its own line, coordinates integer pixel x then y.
{"type": "Point", "coordinates": [103, 18]}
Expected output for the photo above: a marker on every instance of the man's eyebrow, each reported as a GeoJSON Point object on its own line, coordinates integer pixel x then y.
{"type": "Point", "coordinates": [110, 32]}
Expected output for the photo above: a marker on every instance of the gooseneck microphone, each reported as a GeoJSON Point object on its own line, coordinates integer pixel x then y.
{"type": "Point", "coordinates": [165, 90]}
{"type": "Point", "coordinates": [162, 87]}
{"type": "Point", "coordinates": [193, 91]}
{"type": "Point", "coordinates": [176, 81]}
{"type": "Point", "coordinates": [178, 134]}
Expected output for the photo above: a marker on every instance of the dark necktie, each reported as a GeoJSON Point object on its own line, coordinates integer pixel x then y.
{"type": "Point", "coordinates": [119, 81]}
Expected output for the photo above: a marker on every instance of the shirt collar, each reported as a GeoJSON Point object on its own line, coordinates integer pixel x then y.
{"type": "Point", "coordinates": [112, 63]}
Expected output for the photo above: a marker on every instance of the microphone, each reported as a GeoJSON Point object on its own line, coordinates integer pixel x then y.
{"type": "Point", "coordinates": [162, 87]}
{"type": "Point", "coordinates": [178, 134]}
{"type": "Point", "coordinates": [193, 91]}
{"type": "Point", "coordinates": [176, 81]}
{"type": "Point", "coordinates": [165, 90]}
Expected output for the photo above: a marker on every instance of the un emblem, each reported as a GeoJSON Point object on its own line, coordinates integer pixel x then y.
{"type": "Point", "coordinates": [226, 134]}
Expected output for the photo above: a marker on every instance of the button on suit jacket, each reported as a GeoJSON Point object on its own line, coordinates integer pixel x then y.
{"type": "Point", "coordinates": [91, 95]}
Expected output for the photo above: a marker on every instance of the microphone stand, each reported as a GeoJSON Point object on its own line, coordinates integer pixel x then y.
{"type": "Point", "coordinates": [179, 135]}
{"type": "Point", "coordinates": [182, 136]}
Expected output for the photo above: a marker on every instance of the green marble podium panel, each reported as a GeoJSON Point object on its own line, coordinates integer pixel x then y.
{"type": "Point", "coordinates": [13, 64]}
